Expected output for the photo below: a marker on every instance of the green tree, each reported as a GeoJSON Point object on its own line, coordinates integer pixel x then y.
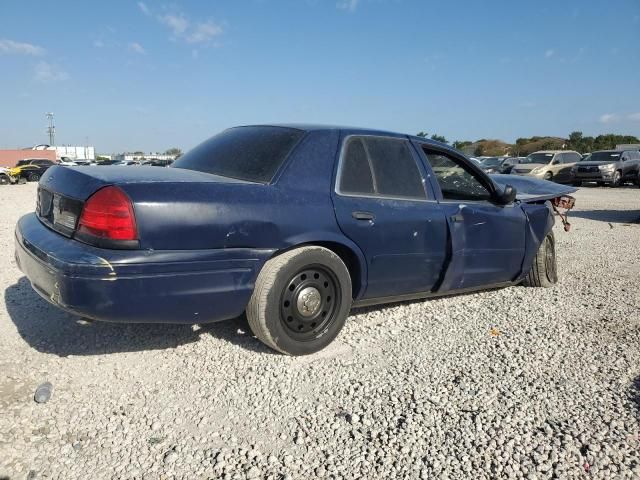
{"type": "Point", "coordinates": [439, 138]}
{"type": "Point", "coordinates": [459, 144]}
{"type": "Point", "coordinates": [173, 151]}
{"type": "Point", "coordinates": [422, 134]}
{"type": "Point", "coordinates": [575, 141]}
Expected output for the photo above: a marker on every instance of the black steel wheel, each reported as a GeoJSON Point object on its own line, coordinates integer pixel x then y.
{"type": "Point", "coordinates": [309, 302]}
{"type": "Point", "coordinates": [301, 300]}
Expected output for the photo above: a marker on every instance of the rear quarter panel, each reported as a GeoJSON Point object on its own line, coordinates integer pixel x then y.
{"type": "Point", "coordinates": [296, 208]}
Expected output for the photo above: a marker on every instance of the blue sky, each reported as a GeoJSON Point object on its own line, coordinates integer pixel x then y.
{"type": "Point", "coordinates": [132, 75]}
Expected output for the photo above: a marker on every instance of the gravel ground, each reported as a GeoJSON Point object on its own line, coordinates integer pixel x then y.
{"type": "Point", "coordinates": [513, 383]}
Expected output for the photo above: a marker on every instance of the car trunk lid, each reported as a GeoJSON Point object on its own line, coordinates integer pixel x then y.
{"type": "Point", "coordinates": [63, 191]}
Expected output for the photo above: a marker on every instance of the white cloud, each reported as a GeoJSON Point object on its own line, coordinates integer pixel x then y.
{"type": "Point", "coordinates": [635, 117]}
{"type": "Point", "coordinates": [135, 47]}
{"type": "Point", "coordinates": [204, 32]}
{"type": "Point", "coordinates": [177, 23]}
{"type": "Point", "coordinates": [608, 118]}
{"type": "Point", "coordinates": [348, 5]}
{"type": "Point", "coordinates": [549, 53]}
{"type": "Point", "coordinates": [143, 8]}
{"type": "Point", "coordinates": [20, 48]}
{"type": "Point", "coordinates": [45, 72]}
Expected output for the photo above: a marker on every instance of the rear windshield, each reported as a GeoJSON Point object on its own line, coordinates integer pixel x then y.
{"type": "Point", "coordinates": [604, 157]}
{"type": "Point", "coordinates": [246, 153]}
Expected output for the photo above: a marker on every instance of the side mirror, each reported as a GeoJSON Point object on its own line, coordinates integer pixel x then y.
{"type": "Point", "coordinates": [507, 196]}
{"type": "Point", "coordinates": [555, 162]}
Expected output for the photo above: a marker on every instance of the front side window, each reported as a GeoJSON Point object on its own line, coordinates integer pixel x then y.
{"type": "Point", "coordinates": [456, 182]}
{"type": "Point", "coordinates": [382, 167]}
{"type": "Point", "coordinates": [544, 158]}
{"type": "Point", "coordinates": [253, 154]}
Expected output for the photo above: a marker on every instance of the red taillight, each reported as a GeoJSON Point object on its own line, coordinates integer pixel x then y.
{"type": "Point", "coordinates": [108, 214]}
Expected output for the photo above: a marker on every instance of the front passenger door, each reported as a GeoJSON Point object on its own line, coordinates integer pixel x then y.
{"type": "Point", "coordinates": [487, 240]}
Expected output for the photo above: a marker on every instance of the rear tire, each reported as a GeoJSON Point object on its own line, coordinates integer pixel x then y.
{"type": "Point", "coordinates": [548, 176]}
{"type": "Point", "coordinates": [300, 301]}
{"type": "Point", "coordinates": [576, 184]}
{"type": "Point", "coordinates": [544, 272]}
{"type": "Point", "coordinates": [4, 180]}
{"type": "Point", "coordinates": [34, 177]}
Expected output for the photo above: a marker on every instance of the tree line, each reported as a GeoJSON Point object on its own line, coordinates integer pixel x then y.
{"type": "Point", "coordinates": [524, 146]}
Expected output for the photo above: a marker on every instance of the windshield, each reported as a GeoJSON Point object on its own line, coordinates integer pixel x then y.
{"type": "Point", "coordinates": [492, 162]}
{"type": "Point", "coordinates": [538, 158]}
{"type": "Point", "coordinates": [604, 157]}
{"type": "Point", "coordinates": [246, 153]}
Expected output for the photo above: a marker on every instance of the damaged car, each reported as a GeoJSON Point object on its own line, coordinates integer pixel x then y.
{"type": "Point", "coordinates": [291, 224]}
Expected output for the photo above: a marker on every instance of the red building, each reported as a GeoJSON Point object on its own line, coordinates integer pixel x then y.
{"type": "Point", "coordinates": [9, 158]}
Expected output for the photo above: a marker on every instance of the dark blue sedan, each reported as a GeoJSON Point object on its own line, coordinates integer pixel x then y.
{"type": "Point", "coordinates": [293, 225]}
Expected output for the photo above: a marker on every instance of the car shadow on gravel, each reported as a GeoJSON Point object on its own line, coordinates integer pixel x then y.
{"type": "Point", "coordinates": [48, 329]}
{"type": "Point", "coordinates": [635, 396]}
{"type": "Point", "coordinates": [610, 216]}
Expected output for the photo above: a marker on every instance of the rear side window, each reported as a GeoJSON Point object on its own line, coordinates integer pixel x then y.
{"type": "Point", "coordinates": [245, 153]}
{"type": "Point", "coordinates": [381, 167]}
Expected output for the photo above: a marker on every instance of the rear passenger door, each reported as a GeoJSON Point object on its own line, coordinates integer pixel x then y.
{"type": "Point", "coordinates": [383, 204]}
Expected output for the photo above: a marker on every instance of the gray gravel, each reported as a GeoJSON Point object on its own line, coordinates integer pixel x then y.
{"type": "Point", "coordinates": [513, 383]}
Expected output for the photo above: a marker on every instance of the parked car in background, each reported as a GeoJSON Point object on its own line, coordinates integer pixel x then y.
{"type": "Point", "coordinates": [293, 225]}
{"type": "Point", "coordinates": [5, 176]}
{"type": "Point", "coordinates": [552, 165]}
{"type": "Point", "coordinates": [510, 162]}
{"type": "Point", "coordinates": [127, 163]}
{"type": "Point", "coordinates": [612, 167]}
{"type": "Point", "coordinates": [156, 162]}
{"type": "Point", "coordinates": [31, 169]}
{"type": "Point", "coordinates": [492, 164]}
{"type": "Point", "coordinates": [68, 163]}
{"type": "Point", "coordinates": [495, 165]}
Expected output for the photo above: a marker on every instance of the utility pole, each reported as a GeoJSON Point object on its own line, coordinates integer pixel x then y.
{"type": "Point", "coordinates": [51, 129]}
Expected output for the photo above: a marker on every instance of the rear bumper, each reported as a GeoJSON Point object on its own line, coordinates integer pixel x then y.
{"type": "Point", "coordinates": [136, 286]}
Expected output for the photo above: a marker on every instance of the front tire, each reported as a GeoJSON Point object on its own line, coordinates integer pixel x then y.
{"type": "Point", "coordinates": [544, 270]}
{"type": "Point", "coordinates": [300, 301]}
{"type": "Point", "coordinates": [34, 177]}
{"type": "Point", "coordinates": [617, 179]}
{"type": "Point", "coordinates": [548, 176]}
{"type": "Point", "coordinates": [4, 179]}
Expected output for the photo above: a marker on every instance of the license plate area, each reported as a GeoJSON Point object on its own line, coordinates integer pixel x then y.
{"type": "Point", "coordinates": [58, 212]}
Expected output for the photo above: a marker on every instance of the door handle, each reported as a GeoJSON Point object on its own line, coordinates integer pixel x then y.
{"type": "Point", "coordinates": [363, 215]}
{"type": "Point", "coordinates": [457, 218]}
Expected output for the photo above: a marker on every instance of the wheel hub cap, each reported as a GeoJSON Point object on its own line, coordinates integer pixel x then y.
{"type": "Point", "coordinates": [309, 301]}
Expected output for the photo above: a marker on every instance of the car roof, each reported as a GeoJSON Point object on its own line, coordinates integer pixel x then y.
{"type": "Point", "coordinates": [613, 151]}
{"type": "Point", "coordinates": [308, 127]}
{"type": "Point", "coordinates": [555, 151]}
